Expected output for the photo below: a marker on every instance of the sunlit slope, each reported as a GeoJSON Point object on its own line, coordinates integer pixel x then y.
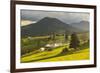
{"type": "Point", "coordinates": [42, 55]}
{"type": "Point", "coordinates": [79, 55]}
{"type": "Point", "coordinates": [57, 55]}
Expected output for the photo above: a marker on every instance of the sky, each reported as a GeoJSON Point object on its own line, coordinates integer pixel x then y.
{"type": "Point", "coordinates": [32, 16]}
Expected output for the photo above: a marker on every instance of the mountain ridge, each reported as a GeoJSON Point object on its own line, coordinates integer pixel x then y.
{"type": "Point", "coordinates": [83, 25]}
{"type": "Point", "coordinates": [47, 26]}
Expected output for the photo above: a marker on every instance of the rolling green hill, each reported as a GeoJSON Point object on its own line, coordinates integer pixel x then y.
{"type": "Point", "coordinates": [57, 54]}
{"type": "Point", "coordinates": [31, 49]}
{"type": "Point", "coordinates": [79, 55]}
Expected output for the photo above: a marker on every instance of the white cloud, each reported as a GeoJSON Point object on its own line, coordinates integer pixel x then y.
{"type": "Point", "coordinates": [26, 22]}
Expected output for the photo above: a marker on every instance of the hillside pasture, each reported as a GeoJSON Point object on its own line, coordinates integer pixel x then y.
{"type": "Point", "coordinates": [31, 52]}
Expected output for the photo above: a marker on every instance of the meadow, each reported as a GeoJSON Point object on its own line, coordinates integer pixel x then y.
{"type": "Point", "coordinates": [54, 47]}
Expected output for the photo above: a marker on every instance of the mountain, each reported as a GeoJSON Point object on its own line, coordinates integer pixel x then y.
{"type": "Point", "coordinates": [83, 25]}
{"type": "Point", "coordinates": [47, 26]}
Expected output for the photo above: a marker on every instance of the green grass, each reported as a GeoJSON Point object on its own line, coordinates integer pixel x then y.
{"type": "Point", "coordinates": [41, 55]}
{"type": "Point", "coordinates": [56, 55]}
{"type": "Point", "coordinates": [79, 55]}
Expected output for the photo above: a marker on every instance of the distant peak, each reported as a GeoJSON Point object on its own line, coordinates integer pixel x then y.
{"type": "Point", "coordinates": [83, 21]}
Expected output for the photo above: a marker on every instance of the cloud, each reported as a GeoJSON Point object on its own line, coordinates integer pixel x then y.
{"type": "Point", "coordinates": [26, 22]}
{"type": "Point", "coordinates": [67, 17]}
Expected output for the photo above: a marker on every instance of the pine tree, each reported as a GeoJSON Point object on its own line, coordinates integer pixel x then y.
{"type": "Point", "coordinates": [74, 43]}
{"type": "Point", "coordinates": [66, 37]}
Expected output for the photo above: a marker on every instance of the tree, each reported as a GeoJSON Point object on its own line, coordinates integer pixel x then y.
{"type": "Point", "coordinates": [53, 36]}
{"type": "Point", "coordinates": [66, 37]}
{"type": "Point", "coordinates": [74, 43]}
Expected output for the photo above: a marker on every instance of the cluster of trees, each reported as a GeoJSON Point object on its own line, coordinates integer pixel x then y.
{"type": "Point", "coordinates": [74, 40]}
{"type": "Point", "coordinates": [29, 45]}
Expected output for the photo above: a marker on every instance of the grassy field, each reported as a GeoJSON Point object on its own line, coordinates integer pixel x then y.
{"type": "Point", "coordinates": [30, 49]}
{"type": "Point", "coordinates": [56, 55]}
{"type": "Point", "coordinates": [79, 55]}
{"type": "Point", "coordinates": [42, 55]}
